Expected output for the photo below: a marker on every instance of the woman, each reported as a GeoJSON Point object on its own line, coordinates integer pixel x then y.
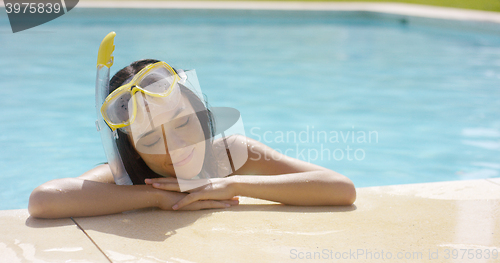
{"type": "Point", "coordinates": [168, 151]}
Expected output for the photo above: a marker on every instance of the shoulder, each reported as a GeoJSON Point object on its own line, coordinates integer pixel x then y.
{"type": "Point", "coordinates": [236, 143]}
{"type": "Point", "coordinates": [264, 160]}
{"type": "Point", "coordinates": [230, 152]}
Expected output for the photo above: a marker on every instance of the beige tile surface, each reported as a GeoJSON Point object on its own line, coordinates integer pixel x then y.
{"type": "Point", "coordinates": [454, 190]}
{"type": "Point", "coordinates": [396, 221]}
{"type": "Point", "coordinates": [494, 180]}
{"type": "Point", "coordinates": [419, 221]}
{"type": "Point", "coordinates": [25, 239]}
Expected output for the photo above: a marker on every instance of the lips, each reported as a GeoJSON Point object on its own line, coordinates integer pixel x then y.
{"type": "Point", "coordinates": [184, 159]}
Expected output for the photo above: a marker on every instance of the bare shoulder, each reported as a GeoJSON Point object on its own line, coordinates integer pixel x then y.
{"type": "Point", "coordinates": [264, 160]}
{"type": "Point", "coordinates": [231, 153]}
{"type": "Point", "coordinates": [101, 173]}
{"type": "Point", "coordinates": [240, 143]}
{"type": "Point", "coordinates": [235, 140]}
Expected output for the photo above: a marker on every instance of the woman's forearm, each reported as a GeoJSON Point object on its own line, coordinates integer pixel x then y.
{"type": "Point", "coordinates": [75, 197]}
{"type": "Point", "coordinates": [306, 188]}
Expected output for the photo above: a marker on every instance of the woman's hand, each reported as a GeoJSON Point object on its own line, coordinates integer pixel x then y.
{"type": "Point", "coordinates": [218, 191]}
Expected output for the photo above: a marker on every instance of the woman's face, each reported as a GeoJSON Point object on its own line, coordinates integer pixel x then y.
{"type": "Point", "coordinates": [175, 148]}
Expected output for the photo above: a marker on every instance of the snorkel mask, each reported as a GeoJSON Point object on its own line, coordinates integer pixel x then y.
{"type": "Point", "coordinates": [164, 115]}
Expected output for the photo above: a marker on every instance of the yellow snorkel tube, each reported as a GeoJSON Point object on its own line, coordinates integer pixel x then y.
{"type": "Point", "coordinates": [108, 137]}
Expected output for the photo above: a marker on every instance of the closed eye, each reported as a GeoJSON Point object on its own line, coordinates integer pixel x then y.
{"type": "Point", "coordinates": [184, 124]}
{"type": "Point", "coordinates": [155, 142]}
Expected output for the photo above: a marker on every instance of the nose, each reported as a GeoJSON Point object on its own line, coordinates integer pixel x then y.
{"type": "Point", "coordinates": [174, 140]}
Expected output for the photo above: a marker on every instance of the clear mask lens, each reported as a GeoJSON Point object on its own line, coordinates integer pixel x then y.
{"type": "Point", "coordinates": [117, 110]}
{"type": "Point", "coordinates": [158, 81]}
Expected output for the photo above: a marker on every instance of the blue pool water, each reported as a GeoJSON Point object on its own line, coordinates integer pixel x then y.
{"type": "Point", "coordinates": [421, 101]}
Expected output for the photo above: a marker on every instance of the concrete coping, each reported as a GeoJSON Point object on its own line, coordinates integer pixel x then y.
{"type": "Point", "coordinates": [391, 8]}
{"type": "Point", "coordinates": [412, 223]}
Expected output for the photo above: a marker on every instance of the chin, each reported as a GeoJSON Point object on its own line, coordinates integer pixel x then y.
{"type": "Point", "coordinates": [192, 168]}
{"type": "Point", "coordinates": [163, 172]}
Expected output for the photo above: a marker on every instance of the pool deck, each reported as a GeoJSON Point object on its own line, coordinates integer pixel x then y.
{"type": "Point", "coordinates": [456, 221]}
{"type": "Point", "coordinates": [416, 222]}
{"type": "Point", "coordinates": [412, 10]}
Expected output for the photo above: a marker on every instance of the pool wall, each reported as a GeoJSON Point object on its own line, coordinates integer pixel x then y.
{"type": "Point", "coordinates": [436, 16]}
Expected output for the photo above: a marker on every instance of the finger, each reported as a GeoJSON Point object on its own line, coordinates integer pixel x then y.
{"type": "Point", "coordinates": [231, 202]}
{"type": "Point", "coordinates": [193, 185]}
{"type": "Point", "coordinates": [160, 180]}
{"type": "Point", "coordinates": [174, 186]}
{"type": "Point", "coordinates": [205, 204]}
{"type": "Point", "coordinates": [167, 186]}
{"type": "Point", "coordinates": [202, 196]}
{"type": "Point", "coordinates": [164, 183]}
{"type": "Point", "coordinates": [188, 199]}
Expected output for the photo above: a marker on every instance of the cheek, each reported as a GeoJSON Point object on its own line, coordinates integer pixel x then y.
{"type": "Point", "coordinates": [201, 148]}
{"type": "Point", "coordinates": [152, 158]}
{"type": "Point", "coordinates": [198, 139]}
{"type": "Point", "coordinates": [158, 163]}
{"type": "Point", "coordinates": [197, 135]}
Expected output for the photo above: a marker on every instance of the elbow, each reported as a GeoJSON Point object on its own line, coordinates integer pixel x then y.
{"type": "Point", "coordinates": [40, 205]}
{"type": "Point", "coordinates": [350, 194]}
{"type": "Point", "coordinates": [344, 193]}
{"type": "Point", "coordinates": [338, 191]}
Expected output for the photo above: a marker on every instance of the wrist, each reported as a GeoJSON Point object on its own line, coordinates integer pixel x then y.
{"type": "Point", "coordinates": [236, 185]}
{"type": "Point", "coordinates": [156, 197]}
{"type": "Point", "coordinates": [164, 199]}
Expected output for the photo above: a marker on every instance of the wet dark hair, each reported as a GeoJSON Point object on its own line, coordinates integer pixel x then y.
{"type": "Point", "coordinates": [135, 166]}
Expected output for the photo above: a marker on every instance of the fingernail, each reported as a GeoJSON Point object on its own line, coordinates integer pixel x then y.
{"type": "Point", "coordinates": [175, 207]}
{"type": "Point", "coordinates": [227, 205]}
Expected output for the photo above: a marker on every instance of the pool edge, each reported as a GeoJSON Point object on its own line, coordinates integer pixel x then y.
{"type": "Point", "coordinates": [390, 8]}
{"type": "Point", "coordinates": [386, 212]}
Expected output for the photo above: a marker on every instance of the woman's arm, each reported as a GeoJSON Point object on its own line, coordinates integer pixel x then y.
{"type": "Point", "coordinates": [293, 181]}
{"type": "Point", "coordinates": [306, 188]}
{"type": "Point", "coordinates": [94, 193]}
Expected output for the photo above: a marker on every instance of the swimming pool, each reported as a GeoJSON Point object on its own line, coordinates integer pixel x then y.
{"type": "Point", "coordinates": [376, 98]}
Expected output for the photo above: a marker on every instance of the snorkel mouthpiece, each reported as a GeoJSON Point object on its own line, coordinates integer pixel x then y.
{"type": "Point", "coordinates": [106, 50]}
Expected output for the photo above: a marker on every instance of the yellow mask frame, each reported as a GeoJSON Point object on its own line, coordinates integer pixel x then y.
{"type": "Point", "coordinates": [132, 87]}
